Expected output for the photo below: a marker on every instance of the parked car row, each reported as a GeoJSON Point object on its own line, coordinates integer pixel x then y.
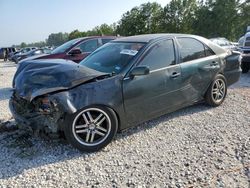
{"type": "Point", "coordinates": [32, 53]}
{"type": "Point", "coordinates": [15, 55]}
{"type": "Point", "coordinates": [244, 45]}
{"type": "Point", "coordinates": [75, 50]}
{"type": "Point", "coordinates": [122, 83]}
{"type": "Point", "coordinates": [8, 50]}
{"type": "Point", "coordinates": [224, 43]}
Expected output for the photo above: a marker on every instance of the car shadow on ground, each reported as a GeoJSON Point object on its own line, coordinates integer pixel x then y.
{"type": "Point", "coordinates": [27, 152]}
{"type": "Point", "coordinates": [5, 93]}
{"type": "Point", "coordinates": [243, 82]}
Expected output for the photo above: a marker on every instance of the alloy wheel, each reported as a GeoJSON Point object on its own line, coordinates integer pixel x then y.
{"type": "Point", "coordinates": [218, 90]}
{"type": "Point", "coordinates": [91, 126]}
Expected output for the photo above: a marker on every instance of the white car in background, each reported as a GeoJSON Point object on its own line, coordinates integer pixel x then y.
{"type": "Point", "coordinates": [224, 43]}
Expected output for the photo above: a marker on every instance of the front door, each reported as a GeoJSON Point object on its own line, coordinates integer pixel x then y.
{"type": "Point", "coordinates": [150, 95]}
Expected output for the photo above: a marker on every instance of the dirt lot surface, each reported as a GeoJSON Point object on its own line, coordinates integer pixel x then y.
{"type": "Point", "coordinates": [198, 146]}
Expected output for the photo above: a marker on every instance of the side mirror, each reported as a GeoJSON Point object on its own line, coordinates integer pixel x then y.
{"type": "Point", "coordinates": [75, 51]}
{"type": "Point", "coordinates": [139, 71]}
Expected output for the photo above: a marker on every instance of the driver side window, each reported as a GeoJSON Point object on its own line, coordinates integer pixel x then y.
{"type": "Point", "coordinates": [88, 46]}
{"type": "Point", "coordinates": [161, 55]}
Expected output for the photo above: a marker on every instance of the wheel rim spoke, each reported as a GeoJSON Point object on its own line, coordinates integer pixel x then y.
{"type": "Point", "coordinates": [221, 85]}
{"type": "Point", "coordinates": [216, 84]}
{"type": "Point", "coordinates": [100, 122]}
{"type": "Point", "coordinates": [92, 136]}
{"type": "Point", "coordinates": [216, 96]}
{"type": "Point", "coordinates": [215, 91]}
{"type": "Point", "coordinates": [90, 117]}
{"type": "Point", "coordinates": [99, 133]}
{"type": "Point", "coordinates": [85, 118]}
{"type": "Point", "coordinates": [87, 136]}
{"type": "Point", "coordinates": [82, 131]}
{"type": "Point", "coordinates": [222, 93]}
{"type": "Point", "coordinates": [102, 129]}
{"type": "Point", "coordinates": [98, 118]}
{"type": "Point", "coordinates": [81, 126]}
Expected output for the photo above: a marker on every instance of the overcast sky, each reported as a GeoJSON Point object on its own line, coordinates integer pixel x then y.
{"type": "Point", "coordinates": [32, 21]}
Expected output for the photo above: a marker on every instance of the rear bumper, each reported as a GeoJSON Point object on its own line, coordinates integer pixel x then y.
{"type": "Point", "coordinates": [232, 76]}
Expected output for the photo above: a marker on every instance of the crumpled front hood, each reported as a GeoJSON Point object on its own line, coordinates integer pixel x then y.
{"type": "Point", "coordinates": [38, 77]}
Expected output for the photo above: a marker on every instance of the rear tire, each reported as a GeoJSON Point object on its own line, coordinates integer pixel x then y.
{"type": "Point", "coordinates": [91, 129]}
{"type": "Point", "coordinates": [217, 91]}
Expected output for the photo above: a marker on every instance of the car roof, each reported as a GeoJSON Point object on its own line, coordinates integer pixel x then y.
{"type": "Point", "coordinates": [247, 34]}
{"type": "Point", "coordinates": [150, 37]}
{"type": "Point", "coordinates": [218, 38]}
{"type": "Point", "coordinates": [92, 37]}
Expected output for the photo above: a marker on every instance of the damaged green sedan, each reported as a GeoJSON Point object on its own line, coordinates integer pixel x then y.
{"type": "Point", "coordinates": [123, 83]}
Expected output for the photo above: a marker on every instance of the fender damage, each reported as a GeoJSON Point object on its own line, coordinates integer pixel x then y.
{"type": "Point", "coordinates": [40, 97]}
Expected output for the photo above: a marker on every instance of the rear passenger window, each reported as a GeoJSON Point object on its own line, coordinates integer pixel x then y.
{"type": "Point", "coordinates": [190, 49]}
{"type": "Point", "coordinates": [208, 51]}
{"type": "Point", "coordinates": [160, 55]}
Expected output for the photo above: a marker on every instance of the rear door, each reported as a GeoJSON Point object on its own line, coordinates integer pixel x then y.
{"type": "Point", "coordinates": [199, 65]}
{"type": "Point", "coordinates": [149, 95]}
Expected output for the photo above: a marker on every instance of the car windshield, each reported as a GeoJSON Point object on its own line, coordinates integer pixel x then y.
{"type": "Point", "coordinates": [65, 46]}
{"type": "Point", "coordinates": [112, 57]}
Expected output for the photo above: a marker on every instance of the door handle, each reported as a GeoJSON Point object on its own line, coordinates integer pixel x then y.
{"type": "Point", "coordinates": [214, 63]}
{"type": "Point", "coordinates": [175, 74]}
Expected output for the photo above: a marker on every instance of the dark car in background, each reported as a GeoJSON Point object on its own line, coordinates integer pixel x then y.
{"type": "Point", "coordinates": [125, 82]}
{"type": "Point", "coordinates": [77, 49]}
{"type": "Point", "coordinates": [32, 53]}
{"type": "Point", "coordinates": [224, 43]}
{"type": "Point", "coordinates": [9, 50]}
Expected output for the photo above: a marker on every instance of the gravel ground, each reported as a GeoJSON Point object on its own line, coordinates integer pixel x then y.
{"type": "Point", "coordinates": [198, 146]}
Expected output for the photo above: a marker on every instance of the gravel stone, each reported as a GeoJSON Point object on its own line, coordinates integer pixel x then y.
{"type": "Point", "coordinates": [198, 146]}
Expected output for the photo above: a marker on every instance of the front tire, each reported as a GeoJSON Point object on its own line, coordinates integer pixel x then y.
{"type": "Point", "coordinates": [91, 129]}
{"type": "Point", "coordinates": [217, 91]}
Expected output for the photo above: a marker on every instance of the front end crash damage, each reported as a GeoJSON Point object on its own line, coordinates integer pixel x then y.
{"type": "Point", "coordinates": [40, 98]}
{"type": "Point", "coordinates": [41, 114]}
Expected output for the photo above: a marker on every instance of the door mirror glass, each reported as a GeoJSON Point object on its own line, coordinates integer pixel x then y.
{"type": "Point", "coordinates": [138, 71]}
{"type": "Point", "coordinates": [75, 51]}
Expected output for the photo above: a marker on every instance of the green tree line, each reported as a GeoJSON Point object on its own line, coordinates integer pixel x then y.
{"type": "Point", "coordinates": [208, 18]}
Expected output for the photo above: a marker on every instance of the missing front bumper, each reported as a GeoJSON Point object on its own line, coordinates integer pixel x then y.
{"type": "Point", "coordinates": [28, 114]}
